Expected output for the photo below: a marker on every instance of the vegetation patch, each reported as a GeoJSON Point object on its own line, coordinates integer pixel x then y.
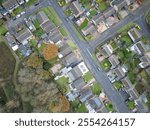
{"type": "Point", "coordinates": [87, 77]}
{"type": "Point", "coordinates": [105, 64]}
{"type": "Point", "coordinates": [117, 85]}
{"type": "Point", "coordinates": [84, 24]}
{"type": "Point", "coordinates": [131, 105]}
{"type": "Point", "coordinates": [109, 107]}
{"type": "Point", "coordinates": [96, 89]}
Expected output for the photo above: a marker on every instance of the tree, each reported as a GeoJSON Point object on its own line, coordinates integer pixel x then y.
{"type": "Point", "coordinates": [50, 51]}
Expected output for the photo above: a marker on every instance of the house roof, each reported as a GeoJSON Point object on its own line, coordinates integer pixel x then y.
{"type": "Point", "coordinates": [23, 35]}
{"type": "Point", "coordinates": [76, 8]}
{"type": "Point", "coordinates": [119, 4]}
{"type": "Point", "coordinates": [109, 12]}
{"type": "Point", "coordinates": [113, 59]}
{"type": "Point", "coordinates": [124, 95]}
{"type": "Point", "coordinates": [107, 50]}
{"type": "Point", "coordinates": [48, 26]}
{"type": "Point", "coordinates": [90, 29]}
{"type": "Point", "coordinates": [10, 39]}
{"type": "Point", "coordinates": [130, 1]}
{"type": "Point", "coordinates": [78, 83]}
{"type": "Point", "coordinates": [70, 59]}
{"type": "Point", "coordinates": [9, 4]}
{"type": "Point", "coordinates": [146, 57]}
{"type": "Point", "coordinates": [119, 72]}
{"type": "Point", "coordinates": [42, 17]}
{"type": "Point", "coordinates": [95, 102]}
{"type": "Point", "coordinates": [85, 94]}
{"type": "Point", "coordinates": [133, 94]}
{"type": "Point", "coordinates": [126, 82]}
{"type": "Point", "coordinates": [134, 34]}
{"type": "Point", "coordinates": [74, 73]}
{"type": "Point", "coordinates": [65, 50]}
{"type": "Point", "coordinates": [55, 36]}
{"type": "Point", "coordinates": [98, 18]}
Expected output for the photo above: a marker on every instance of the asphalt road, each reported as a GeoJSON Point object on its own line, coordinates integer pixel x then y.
{"type": "Point", "coordinates": [85, 50]}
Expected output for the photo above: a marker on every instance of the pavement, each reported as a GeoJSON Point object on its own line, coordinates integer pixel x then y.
{"type": "Point", "coordinates": [87, 48]}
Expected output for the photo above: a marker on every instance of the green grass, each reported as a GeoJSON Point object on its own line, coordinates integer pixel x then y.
{"type": "Point", "coordinates": [17, 11]}
{"type": "Point", "coordinates": [33, 43]}
{"type": "Point", "coordinates": [96, 89]}
{"type": "Point", "coordinates": [84, 24]}
{"type": "Point", "coordinates": [126, 27]}
{"type": "Point", "coordinates": [148, 99]}
{"type": "Point", "coordinates": [132, 77]}
{"type": "Point", "coordinates": [78, 33]}
{"type": "Point", "coordinates": [31, 2]}
{"type": "Point", "coordinates": [126, 40]}
{"type": "Point", "coordinates": [87, 77]}
{"type": "Point", "coordinates": [3, 29]}
{"type": "Point", "coordinates": [39, 32]}
{"type": "Point", "coordinates": [62, 31]}
{"type": "Point", "coordinates": [92, 13]}
{"type": "Point", "coordinates": [105, 64]}
{"type": "Point", "coordinates": [117, 85]}
{"type": "Point", "coordinates": [113, 44]}
{"type": "Point", "coordinates": [36, 24]}
{"type": "Point", "coordinates": [103, 6]}
{"type": "Point", "coordinates": [71, 45]}
{"type": "Point", "coordinates": [63, 84]}
{"type": "Point", "coordinates": [68, 12]}
{"type": "Point", "coordinates": [81, 108]}
{"type": "Point", "coordinates": [75, 103]}
{"type": "Point", "coordinates": [131, 105]}
{"type": "Point", "coordinates": [62, 3]}
{"type": "Point", "coordinates": [41, 48]}
{"type": "Point", "coordinates": [109, 107]}
{"type": "Point", "coordinates": [49, 11]}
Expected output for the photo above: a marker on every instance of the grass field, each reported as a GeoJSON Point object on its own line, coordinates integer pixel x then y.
{"type": "Point", "coordinates": [96, 89]}
{"type": "Point", "coordinates": [3, 29]}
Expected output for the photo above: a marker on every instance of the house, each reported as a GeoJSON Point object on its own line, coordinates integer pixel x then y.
{"type": "Point", "coordinates": [85, 94]}
{"type": "Point", "coordinates": [70, 60]}
{"type": "Point", "coordinates": [106, 50]}
{"type": "Point", "coordinates": [89, 29]}
{"type": "Point", "coordinates": [74, 73]}
{"type": "Point", "coordinates": [129, 2]}
{"type": "Point", "coordinates": [54, 36]}
{"type": "Point", "coordinates": [78, 84]}
{"type": "Point", "coordinates": [126, 83]}
{"type": "Point", "coordinates": [65, 50]}
{"type": "Point", "coordinates": [76, 8]}
{"type": "Point", "coordinates": [109, 12]}
{"type": "Point", "coordinates": [42, 17]}
{"type": "Point", "coordinates": [113, 59]}
{"type": "Point", "coordinates": [10, 5]}
{"type": "Point", "coordinates": [11, 41]}
{"type": "Point", "coordinates": [118, 4]}
{"type": "Point", "coordinates": [3, 11]}
{"type": "Point", "coordinates": [48, 26]}
{"type": "Point", "coordinates": [83, 68]}
{"type": "Point", "coordinates": [139, 48]}
{"type": "Point", "coordinates": [134, 34]}
{"type": "Point", "coordinates": [23, 36]}
{"type": "Point", "coordinates": [24, 51]}
{"type": "Point", "coordinates": [119, 72]}
{"type": "Point", "coordinates": [125, 96]}
{"type": "Point", "coordinates": [95, 102]}
{"type": "Point", "coordinates": [145, 60]}
{"type": "Point", "coordinates": [133, 94]}
{"type": "Point", "coordinates": [30, 25]}
{"type": "Point", "coordinates": [98, 19]}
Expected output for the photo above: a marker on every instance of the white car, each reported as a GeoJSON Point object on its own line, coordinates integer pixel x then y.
{"type": "Point", "coordinates": [18, 16]}
{"type": "Point", "coordinates": [22, 13]}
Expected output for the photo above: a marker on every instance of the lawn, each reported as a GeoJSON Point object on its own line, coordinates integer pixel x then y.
{"type": "Point", "coordinates": [126, 40]}
{"type": "Point", "coordinates": [85, 3]}
{"type": "Point", "coordinates": [41, 48]}
{"type": "Point", "coordinates": [62, 3]}
{"type": "Point", "coordinates": [92, 13]}
{"type": "Point", "coordinates": [131, 105]}
{"type": "Point", "coordinates": [113, 44]}
{"type": "Point", "coordinates": [33, 43]}
{"type": "Point", "coordinates": [105, 64]}
{"type": "Point", "coordinates": [103, 6]}
{"type": "Point", "coordinates": [81, 108]}
{"type": "Point", "coordinates": [30, 2]}
{"type": "Point", "coordinates": [117, 85]}
{"type": "Point", "coordinates": [77, 33]}
{"type": "Point", "coordinates": [87, 77]}
{"type": "Point", "coordinates": [3, 29]}
{"type": "Point", "coordinates": [148, 99]}
{"type": "Point", "coordinates": [96, 89]}
{"type": "Point", "coordinates": [126, 27]}
{"type": "Point", "coordinates": [17, 11]}
{"type": "Point", "coordinates": [71, 45]}
{"type": "Point", "coordinates": [36, 23]}
{"type": "Point", "coordinates": [68, 12]}
{"type": "Point", "coordinates": [75, 103]}
{"type": "Point", "coordinates": [109, 107]}
{"type": "Point", "coordinates": [63, 84]}
{"type": "Point", "coordinates": [38, 32]}
{"type": "Point", "coordinates": [84, 24]}
{"type": "Point", "coordinates": [148, 18]}
{"type": "Point", "coordinates": [49, 11]}
{"type": "Point", "coordinates": [132, 77]}
{"type": "Point", "coordinates": [62, 31]}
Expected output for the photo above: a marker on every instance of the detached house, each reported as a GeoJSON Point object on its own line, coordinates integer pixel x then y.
{"type": "Point", "coordinates": [78, 84]}
{"type": "Point", "coordinates": [97, 19]}
{"type": "Point", "coordinates": [10, 5]}
{"type": "Point", "coordinates": [76, 8]}
{"type": "Point", "coordinates": [145, 60]}
{"type": "Point", "coordinates": [42, 18]}
{"type": "Point", "coordinates": [24, 35]}
{"type": "Point", "coordinates": [90, 29]}
{"type": "Point", "coordinates": [118, 4]}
